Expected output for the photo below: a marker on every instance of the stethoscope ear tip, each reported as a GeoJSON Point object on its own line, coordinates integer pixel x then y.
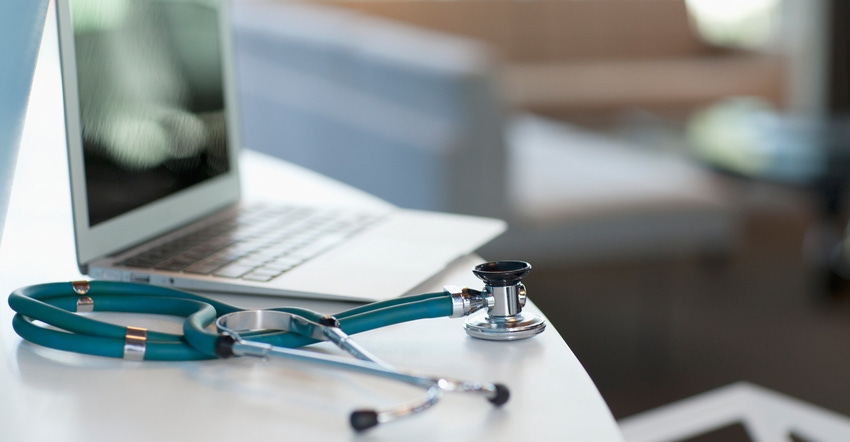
{"type": "Point", "coordinates": [502, 395]}
{"type": "Point", "coordinates": [362, 420]}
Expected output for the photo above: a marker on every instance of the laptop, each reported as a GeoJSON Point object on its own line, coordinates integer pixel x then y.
{"type": "Point", "coordinates": [154, 149]}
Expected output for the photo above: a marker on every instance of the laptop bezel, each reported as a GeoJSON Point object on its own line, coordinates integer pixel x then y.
{"type": "Point", "coordinates": [162, 216]}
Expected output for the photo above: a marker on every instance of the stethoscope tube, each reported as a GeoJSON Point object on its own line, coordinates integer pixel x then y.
{"type": "Point", "coordinates": [56, 303]}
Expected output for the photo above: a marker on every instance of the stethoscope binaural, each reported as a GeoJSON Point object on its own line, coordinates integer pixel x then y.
{"type": "Point", "coordinates": [274, 332]}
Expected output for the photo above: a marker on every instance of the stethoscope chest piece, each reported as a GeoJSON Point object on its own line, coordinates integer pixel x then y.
{"type": "Point", "coordinates": [504, 319]}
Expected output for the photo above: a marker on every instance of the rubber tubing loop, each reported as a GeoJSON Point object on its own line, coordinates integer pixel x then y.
{"type": "Point", "coordinates": [55, 304]}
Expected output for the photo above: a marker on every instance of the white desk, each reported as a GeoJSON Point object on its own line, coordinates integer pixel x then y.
{"type": "Point", "coordinates": [53, 395]}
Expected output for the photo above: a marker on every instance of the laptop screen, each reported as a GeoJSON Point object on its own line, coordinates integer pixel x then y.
{"type": "Point", "coordinates": [150, 87]}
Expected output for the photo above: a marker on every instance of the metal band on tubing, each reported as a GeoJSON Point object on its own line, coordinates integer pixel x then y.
{"type": "Point", "coordinates": [135, 343]}
{"type": "Point", "coordinates": [460, 303]}
{"type": "Point", "coordinates": [85, 304]}
{"type": "Point", "coordinates": [80, 287]}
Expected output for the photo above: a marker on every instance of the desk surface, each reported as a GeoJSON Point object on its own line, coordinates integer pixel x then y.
{"type": "Point", "coordinates": [53, 395]}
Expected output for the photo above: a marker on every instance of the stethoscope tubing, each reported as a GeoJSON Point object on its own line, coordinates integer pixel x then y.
{"type": "Point", "coordinates": [55, 304]}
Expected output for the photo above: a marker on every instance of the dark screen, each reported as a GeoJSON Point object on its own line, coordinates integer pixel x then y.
{"type": "Point", "coordinates": [150, 83]}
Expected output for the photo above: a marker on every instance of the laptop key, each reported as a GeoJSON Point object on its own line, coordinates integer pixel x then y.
{"type": "Point", "coordinates": [233, 271]}
{"type": "Point", "coordinates": [204, 267]}
{"type": "Point", "coordinates": [174, 264]}
{"type": "Point", "coordinates": [261, 275]}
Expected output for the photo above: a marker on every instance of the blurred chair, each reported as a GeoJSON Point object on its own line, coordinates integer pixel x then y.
{"type": "Point", "coordinates": [766, 415]}
{"type": "Point", "coordinates": [408, 115]}
{"type": "Point", "coordinates": [21, 23]}
{"type": "Point", "coordinates": [417, 117]}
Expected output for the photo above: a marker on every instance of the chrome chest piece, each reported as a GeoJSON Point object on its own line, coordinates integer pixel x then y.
{"type": "Point", "coordinates": [504, 296]}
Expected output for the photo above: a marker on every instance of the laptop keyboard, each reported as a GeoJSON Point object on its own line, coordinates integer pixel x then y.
{"type": "Point", "coordinates": [257, 245]}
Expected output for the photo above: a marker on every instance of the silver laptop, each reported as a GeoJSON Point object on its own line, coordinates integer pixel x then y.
{"type": "Point", "coordinates": [153, 151]}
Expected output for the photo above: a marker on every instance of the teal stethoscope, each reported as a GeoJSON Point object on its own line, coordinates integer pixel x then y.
{"type": "Point", "coordinates": [274, 332]}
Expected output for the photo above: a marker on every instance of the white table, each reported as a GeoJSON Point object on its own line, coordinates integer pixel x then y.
{"type": "Point", "coordinates": [52, 395]}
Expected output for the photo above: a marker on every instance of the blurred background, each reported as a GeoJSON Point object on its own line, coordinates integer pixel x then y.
{"type": "Point", "coordinates": [674, 170]}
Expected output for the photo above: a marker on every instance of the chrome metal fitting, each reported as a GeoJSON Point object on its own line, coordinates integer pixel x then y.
{"type": "Point", "coordinates": [253, 349]}
{"type": "Point", "coordinates": [466, 301]}
{"type": "Point", "coordinates": [85, 304]}
{"type": "Point", "coordinates": [80, 287]}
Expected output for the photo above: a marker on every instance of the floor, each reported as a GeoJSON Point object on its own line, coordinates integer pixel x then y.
{"type": "Point", "coordinates": [653, 333]}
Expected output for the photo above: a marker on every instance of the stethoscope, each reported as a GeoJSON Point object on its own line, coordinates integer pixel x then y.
{"type": "Point", "coordinates": [213, 329]}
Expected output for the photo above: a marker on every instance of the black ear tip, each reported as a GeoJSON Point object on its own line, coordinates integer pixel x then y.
{"type": "Point", "coordinates": [502, 395]}
{"type": "Point", "coordinates": [362, 420]}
